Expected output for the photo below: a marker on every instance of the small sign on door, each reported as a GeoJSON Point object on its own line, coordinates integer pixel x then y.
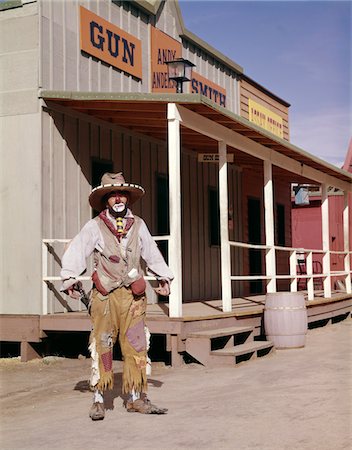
{"type": "Point", "coordinates": [213, 157]}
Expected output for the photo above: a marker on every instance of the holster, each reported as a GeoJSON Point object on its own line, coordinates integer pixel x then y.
{"type": "Point", "coordinates": [98, 284]}
{"type": "Point", "coordinates": [138, 287]}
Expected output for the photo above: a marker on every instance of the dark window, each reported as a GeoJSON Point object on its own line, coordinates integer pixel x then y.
{"type": "Point", "coordinates": [254, 237]}
{"type": "Point", "coordinates": [99, 167]}
{"type": "Point", "coordinates": [162, 211]}
{"type": "Point", "coordinates": [280, 225]}
{"type": "Point", "coordinates": [214, 216]}
{"type": "Point", "coordinates": [162, 201]}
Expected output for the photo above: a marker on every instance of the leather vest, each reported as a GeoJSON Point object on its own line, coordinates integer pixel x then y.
{"type": "Point", "coordinates": [114, 263]}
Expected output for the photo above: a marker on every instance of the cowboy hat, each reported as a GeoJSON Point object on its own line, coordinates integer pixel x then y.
{"type": "Point", "coordinates": [114, 182]}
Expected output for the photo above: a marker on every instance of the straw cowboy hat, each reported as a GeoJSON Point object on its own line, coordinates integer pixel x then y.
{"type": "Point", "coordinates": [114, 182]}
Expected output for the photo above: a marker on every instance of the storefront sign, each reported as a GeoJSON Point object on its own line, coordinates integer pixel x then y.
{"type": "Point", "coordinates": [265, 118]}
{"type": "Point", "coordinates": [110, 44]}
{"type": "Point", "coordinates": [163, 48]}
{"type": "Point", "coordinates": [213, 157]}
{"type": "Point", "coordinates": [214, 92]}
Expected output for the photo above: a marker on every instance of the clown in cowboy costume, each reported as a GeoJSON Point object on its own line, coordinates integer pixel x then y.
{"type": "Point", "coordinates": [118, 240]}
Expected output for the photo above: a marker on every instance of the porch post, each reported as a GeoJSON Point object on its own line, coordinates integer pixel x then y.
{"type": "Point", "coordinates": [44, 275]}
{"type": "Point", "coordinates": [346, 242]}
{"type": "Point", "coordinates": [175, 246]}
{"type": "Point", "coordinates": [326, 239]}
{"type": "Point", "coordinates": [224, 230]}
{"type": "Point", "coordinates": [269, 227]}
{"type": "Point", "coordinates": [293, 270]}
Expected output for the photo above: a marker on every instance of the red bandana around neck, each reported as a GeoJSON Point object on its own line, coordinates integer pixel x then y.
{"type": "Point", "coordinates": [129, 222]}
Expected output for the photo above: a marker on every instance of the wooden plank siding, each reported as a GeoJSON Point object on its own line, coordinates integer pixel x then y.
{"type": "Point", "coordinates": [209, 68]}
{"type": "Point", "coordinates": [56, 146]}
{"type": "Point", "coordinates": [201, 261]}
{"type": "Point", "coordinates": [70, 143]}
{"type": "Point", "coordinates": [76, 139]}
{"type": "Point", "coordinates": [253, 188]}
{"type": "Point", "coordinates": [63, 65]}
{"type": "Point", "coordinates": [249, 91]}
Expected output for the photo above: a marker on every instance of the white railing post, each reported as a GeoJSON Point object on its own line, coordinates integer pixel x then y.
{"type": "Point", "coordinates": [224, 230]}
{"type": "Point", "coordinates": [293, 271]}
{"type": "Point", "coordinates": [346, 243]}
{"type": "Point", "coordinates": [269, 227]}
{"type": "Point", "coordinates": [326, 239]}
{"type": "Point", "coordinates": [44, 275]}
{"type": "Point", "coordinates": [310, 279]}
{"type": "Point", "coordinates": [175, 247]}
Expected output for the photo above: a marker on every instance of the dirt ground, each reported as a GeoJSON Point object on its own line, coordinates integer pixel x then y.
{"type": "Point", "coordinates": [292, 399]}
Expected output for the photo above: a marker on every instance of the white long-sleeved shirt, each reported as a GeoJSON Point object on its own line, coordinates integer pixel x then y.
{"type": "Point", "coordinates": [90, 239]}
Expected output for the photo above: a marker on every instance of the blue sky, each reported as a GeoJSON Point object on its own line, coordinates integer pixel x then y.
{"type": "Point", "coordinates": [299, 50]}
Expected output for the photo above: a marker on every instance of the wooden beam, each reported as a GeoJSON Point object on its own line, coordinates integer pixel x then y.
{"type": "Point", "coordinates": [224, 230]}
{"type": "Point", "coordinates": [176, 358]}
{"type": "Point", "coordinates": [66, 322]}
{"type": "Point", "coordinates": [114, 106]}
{"type": "Point", "coordinates": [175, 247]}
{"type": "Point", "coordinates": [326, 239]}
{"type": "Point", "coordinates": [138, 122]}
{"type": "Point", "coordinates": [28, 352]}
{"type": "Point", "coordinates": [269, 226]}
{"type": "Point", "coordinates": [129, 115]}
{"type": "Point", "coordinates": [18, 328]}
{"type": "Point", "coordinates": [236, 140]}
{"type": "Point", "coordinates": [346, 241]}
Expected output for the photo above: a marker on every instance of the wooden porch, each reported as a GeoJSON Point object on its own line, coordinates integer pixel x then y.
{"type": "Point", "coordinates": [202, 319]}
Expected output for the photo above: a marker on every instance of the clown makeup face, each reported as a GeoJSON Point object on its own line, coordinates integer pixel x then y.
{"type": "Point", "coordinates": [117, 203]}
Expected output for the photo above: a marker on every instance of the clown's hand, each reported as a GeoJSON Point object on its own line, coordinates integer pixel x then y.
{"type": "Point", "coordinates": [74, 289]}
{"type": "Point", "coordinates": [73, 292]}
{"type": "Point", "coordinates": [163, 288]}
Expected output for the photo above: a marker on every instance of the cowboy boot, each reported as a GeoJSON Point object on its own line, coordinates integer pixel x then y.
{"type": "Point", "coordinates": [144, 406]}
{"type": "Point", "coordinates": [97, 411]}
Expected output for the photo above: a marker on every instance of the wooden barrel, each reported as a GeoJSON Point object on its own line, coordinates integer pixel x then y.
{"type": "Point", "coordinates": [285, 319]}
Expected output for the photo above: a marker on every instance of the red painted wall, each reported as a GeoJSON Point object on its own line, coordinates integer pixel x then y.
{"type": "Point", "coordinates": [307, 232]}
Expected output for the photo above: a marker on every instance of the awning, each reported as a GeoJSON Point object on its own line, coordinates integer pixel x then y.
{"type": "Point", "coordinates": [147, 114]}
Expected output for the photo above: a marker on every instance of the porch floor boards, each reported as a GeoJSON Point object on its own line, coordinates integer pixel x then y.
{"type": "Point", "coordinates": [241, 307]}
{"type": "Point", "coordinates": [204, 314]}
{"type": "Point", "coordinates": [198, 317]}
{"type": "Point", "coordinates": [209, 309]}
{"type": "Point", "coordinates": [198, 310]}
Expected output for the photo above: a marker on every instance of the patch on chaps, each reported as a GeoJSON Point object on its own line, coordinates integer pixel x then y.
{"type": "Point", "coordinates": [141, 361]}
{"type": "Point", "coordinates": [136, 336]}
{"type": "Point", "coordinates": [106, 340]}
{"type": "Point", "coordinates": [107, 361]}
{"type": "Point", "coordinates": [137, 308]}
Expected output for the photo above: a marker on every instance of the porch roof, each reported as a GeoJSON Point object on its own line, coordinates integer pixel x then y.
{"type": "Point", "coordinates": [146, 113]}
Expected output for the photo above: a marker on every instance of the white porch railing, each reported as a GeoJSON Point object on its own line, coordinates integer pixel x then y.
{"type": "Point", "coordinates": [47, 247]}
{"type": "Point", "coordinates": [294, 276]}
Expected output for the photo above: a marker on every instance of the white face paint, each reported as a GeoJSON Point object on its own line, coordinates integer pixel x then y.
{"type": "Point", "coordinates": [118, 207]}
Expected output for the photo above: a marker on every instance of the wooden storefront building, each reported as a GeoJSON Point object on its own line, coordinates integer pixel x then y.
{"type": "Point", "coordinates": [85, 91]}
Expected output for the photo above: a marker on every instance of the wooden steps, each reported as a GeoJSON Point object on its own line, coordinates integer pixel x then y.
{"type": "Point", "coordinates": [248, 347]}
{"type": "Point", "coordinates": [225, 346]}
{"type": "Point", "coordinates": [219, 332]}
